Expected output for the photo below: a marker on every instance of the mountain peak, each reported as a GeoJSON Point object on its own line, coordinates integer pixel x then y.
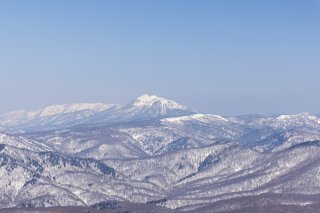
{"type": "Point", "coordinates": [146, 100]}
{"type": "Point", "coordinates": [147, 107]}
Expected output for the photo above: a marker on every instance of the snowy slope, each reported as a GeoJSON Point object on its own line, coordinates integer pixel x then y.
{"type": "Point", "coordinates": [98, 143]}
{"type": "Point", "coordinates": [145, 107]}
{"type": "Point", "coordinates": [284, 122]}
{"type": "Point", "coordinates": [56, 115]}
{"type": "Point", "coordinates": [23, 143]}
{"type": "Point", "coordinates": [35, 179]}
{"type": "Point", "coordinates": [186, 179]}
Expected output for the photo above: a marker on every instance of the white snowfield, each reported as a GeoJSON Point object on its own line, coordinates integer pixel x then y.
{"type": "Point", "coordinates": [155, 150]}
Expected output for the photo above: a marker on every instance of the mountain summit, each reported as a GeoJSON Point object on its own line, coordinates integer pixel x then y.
{"type": "Point", "coordinates": [160, 106]}
{"type": "Point", "coordinates": [145, 107]}
{"type": "Point", "coordinates": [150, 100]}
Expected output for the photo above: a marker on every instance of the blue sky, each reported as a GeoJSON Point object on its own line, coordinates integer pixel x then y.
{"type": "Point", "coordinates": [219, 56]}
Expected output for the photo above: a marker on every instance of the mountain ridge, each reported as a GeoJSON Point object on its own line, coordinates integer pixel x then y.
{"type": "Point", "coordinates": [145, 107]}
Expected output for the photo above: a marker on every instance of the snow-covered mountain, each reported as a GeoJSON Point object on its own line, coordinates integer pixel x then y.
{"type": "Point", "coordinates": [153, 150]}
{"type": "Point", "coordinates": [145, 107]}
{"type": "Point", "coordinates": [51, 116]}
{"type": "Point", "coordinates": [285, 122]}
{"type": "Point", "coordinates": [187, 179]}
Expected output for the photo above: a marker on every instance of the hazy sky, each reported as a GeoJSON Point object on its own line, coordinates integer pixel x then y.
{"type": "Point", "coordinates": [217, 56]}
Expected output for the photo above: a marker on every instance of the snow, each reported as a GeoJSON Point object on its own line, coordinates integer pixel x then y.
{"type": "Point", "coordinates": [58, 109]}
{"type": "Point", "coordinates": [197, 117]}
{"type": "Point", "coordinates": [57, 113]}
{"type": "Point", "coordinates": [146, 100]}
{"type": "Point", "coordinates": [213, 163]}
{"type": "Point", "coordinates": [149, 100]}
{"type": "Point", "coordinates": [304, 115]}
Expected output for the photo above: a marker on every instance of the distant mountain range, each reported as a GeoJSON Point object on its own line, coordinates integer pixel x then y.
{"type": "Point", "coordinates": [154, 151]}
